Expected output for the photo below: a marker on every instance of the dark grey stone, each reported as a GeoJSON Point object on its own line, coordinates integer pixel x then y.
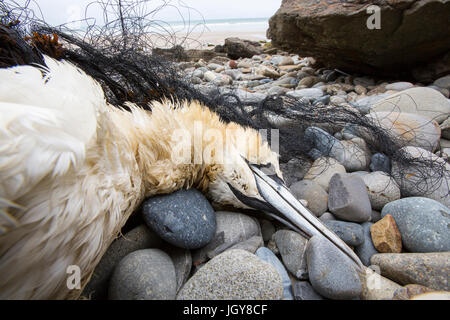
{"type": "Point", "coordinates": [380, 162]}
{"type": "Point", "coordinates": [138, 238]}
{"type": "Point", "coordinates": [267, 229]}
{"type": "Point", "coordinates": [351, 233]}
{"type": "Point", "coordinates": [376, 216]}
{"type": "Point", "coordinates": [184, 218]}
{"type": "Point", "coordinates": [144, 275]}
{"type": "Point", "coordinates": [266, 255]}
{"type": "Point", "coordinates": [423, 223]}
{"type": "Point", "coordinates": [348, 199]}
{"type": "Point", "coordinates": [304, 291]}
{"type": "Point", "coordinates": [366, 250]}
{"type": "Point", "coordinates": [292, 247]}
{"type": "Point", "coordinates": [331, 273]}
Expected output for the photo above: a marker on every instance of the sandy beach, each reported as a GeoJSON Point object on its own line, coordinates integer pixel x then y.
{"type": "Point", "coordinates": [218, 37]}
{"type": "Point", "coordinates": [207, 39]}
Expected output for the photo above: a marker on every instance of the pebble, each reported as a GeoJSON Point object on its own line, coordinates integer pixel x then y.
{"type": "Point", "coordinates": [233, 64]}
{"type": "Point", "coordinates": [366, 250]}
{"type": "Point", "coordinates": [198, 73]}
{"type": "Point", "coordinates": [399, 86]}
{"type": "Point", "coordinates": [285, 61]}
{"type": "Point", "coordinates": [234, 275]}
{"type": "Point", "coordinates": [423, 223]}
{"type": "Point", "coordinates": [427, 269]}
{"type": "Point", "coordinates": [360, 90]}
{"type": "Point", "coordinates": [308, 82]}
{"type": "Point", "coordinates": [436, 295]}
{"type": "Point", "coordinates": [421, 101]}
{"type": "Point", "coordinates": [292, 247]}
{"type": "Point", "coordinates": [377, 287]}
{"type": "Point", "coordinates": [376, 216]}
{"type": "Point", "coordinates": [304, 291]}
{"type": "Point", "coordinates": [337, 100]}
{"type": "Point", "coordinates": [267, 71]}
{"type": "Point", "coordinates": [364, 104]}
{"type": "Point", "coordinates": [195, 80]}
{"type": "Point", "coordinates": [410, 290]}
{"type": "Point", "coordinates": [445, 129]}
{"type": "Point", "coordinates": [351, 233]}
{"type": "Point", "coordinates": [244, 64]}
{"type": "Point", "coordinates": [268, 256]}
{"type": "Point", "coordinates": [348, 199]}
{"type": "Point", "coordinates": [322, 170]}
{"type": "Point", "coordinates": [290, 68]}
{"type": "Point", "coordinates": [250, 245]}
{"type": "Point", "coordinates": [144, 275]}
{"type": "Point", "coordinates": [419, 179]}
{"type": "Point", "coordinates": [234, 74]}
{"type": "Point", "coordinates": [411, 129]}
{"type": "Point", "coordinates": [249, 97]}
{"type": "Point", "coordinates": [210, 76]}
{"type": "Point", "coordinates": [276, 90]}
{"type": "Point", "coordinates": [385, 235]}
{"type": "Point", "coordinates": [267, 230]}
{"type": "Point", "coordinates": [223, 80]}
{"type": "Point", "coordinates": [380, 162]}
{"type": "Point", "coordinates": [232, 228]}
{"type": "Point", "coordinates": [443, 82]}
{"type": "Point", "coordinates": [184, 218]}
{"type": "Point", "coordinates": [331, 272]}
{"type": "Point", "coordinates": [312, 192]}
{"type": "Point", "coordinates": [138, 238]}
{"type": "Point", "coordinates": [381, 189]}
{"type": "Point", "coordinates": [349, 154]}
{"type": "Point", "coordinates": [327, 216]}
{"type": "Point", "coordinates": [311, 93]}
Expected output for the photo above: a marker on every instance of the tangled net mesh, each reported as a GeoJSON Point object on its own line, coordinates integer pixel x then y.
{"type": "Point", "coordinates": [118, 53]}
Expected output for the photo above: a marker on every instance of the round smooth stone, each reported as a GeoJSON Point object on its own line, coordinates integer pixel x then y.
{"type": "Point", "coordinates": [184, 218]}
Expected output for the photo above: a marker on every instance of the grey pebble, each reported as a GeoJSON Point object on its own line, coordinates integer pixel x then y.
{"type": "Point", "coordinates": [331, 272]}
{"type": "Point", "coordinates": [144, 275]}
{"type": "Point", "coordinates": [184, 218]}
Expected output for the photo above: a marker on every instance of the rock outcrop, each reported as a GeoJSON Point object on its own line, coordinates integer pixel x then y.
{"type": "Point", "coordinates": [336, 33]}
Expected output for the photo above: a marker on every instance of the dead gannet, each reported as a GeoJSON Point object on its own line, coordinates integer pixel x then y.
{"type": "Point", "coordinates": [73, 169]}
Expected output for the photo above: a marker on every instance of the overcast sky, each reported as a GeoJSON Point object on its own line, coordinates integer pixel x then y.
{"type": "Point", "coordinates": [58, 12]}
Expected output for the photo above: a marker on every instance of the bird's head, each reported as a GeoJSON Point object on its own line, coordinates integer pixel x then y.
{"type": "Point", "coordinates": [231, 180]}
{"type": "Point", "coordinates": [250, 178]}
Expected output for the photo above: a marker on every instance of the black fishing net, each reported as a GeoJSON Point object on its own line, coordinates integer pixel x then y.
{"type": "Point", "coordinates": [118, 54]}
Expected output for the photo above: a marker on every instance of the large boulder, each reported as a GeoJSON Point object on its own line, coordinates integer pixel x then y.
{"type": "Point", "coordinates": [237, 48]}
{"type": "Point", "coordinates": [412, 32]}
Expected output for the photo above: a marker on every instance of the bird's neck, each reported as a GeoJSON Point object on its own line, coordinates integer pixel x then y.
{"type": "Point", "coordinates": [165, 144]}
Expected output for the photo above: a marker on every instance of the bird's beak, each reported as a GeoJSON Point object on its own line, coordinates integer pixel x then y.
{"type": "Point", "coordinates": [283, 206]}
